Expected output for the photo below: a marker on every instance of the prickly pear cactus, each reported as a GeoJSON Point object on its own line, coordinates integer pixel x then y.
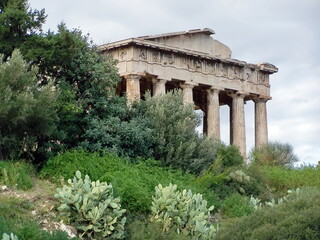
{"type": "Point", "coordinates": [9, 237]}
{"type": "Point", "coordinates": [91, 208]}
{"type": "Point", "coordinates": [182, 210]}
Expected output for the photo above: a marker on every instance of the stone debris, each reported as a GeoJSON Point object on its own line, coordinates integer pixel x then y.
{"type": "Point", "coordinates": [4, 188]}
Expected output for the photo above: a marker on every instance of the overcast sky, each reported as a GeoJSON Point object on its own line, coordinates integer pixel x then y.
{"type": "Point", "coordinates": [285, 33]}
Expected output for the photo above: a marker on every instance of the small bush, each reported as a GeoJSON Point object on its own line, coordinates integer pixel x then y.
{"type": "Point", "coordinates": [16, 174]}
{"type": "Point", "coordinates": [274, 154]}
{"type": "Point", "coordinates": [184, 211]}
{"type": "Point", "coordinates": [91, 208]}
{"type": "Point", "coordinates": [295, 219]}
{"type": "Point", "coordinates": [65, 165]}
{"type": "Point", "coordinates": [236, 205]}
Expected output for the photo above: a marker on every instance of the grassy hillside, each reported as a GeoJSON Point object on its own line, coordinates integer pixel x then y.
{"type": "Point", "coordinates": [28, 208]}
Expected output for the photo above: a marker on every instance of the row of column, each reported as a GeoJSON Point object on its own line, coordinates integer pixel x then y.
{"type": "Point", "coordinates": [237, 113]}
{"type": "Point", "coordinates": [133, 87]}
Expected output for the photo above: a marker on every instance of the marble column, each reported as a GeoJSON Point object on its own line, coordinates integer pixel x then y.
{"type": "Point", "coordinates": [133, 88]}
{"type": "Point", "coordinates": [261, 125]}
{"type": "Point", "coordinates": [238, 128]}
{"type": "Point", "coordinates": [213, 113]}
{"type": "Point", "coordinates": [159, 86]}
{"type": "Point", "coordinates": [187, 92]}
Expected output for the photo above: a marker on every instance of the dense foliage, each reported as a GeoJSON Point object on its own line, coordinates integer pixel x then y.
{"type": "Point", "coordinates": [18, 23]}
{"type": "Point", "coordinates": [298, 219]}
{"type": "Point", "coordinates": [26, 109]}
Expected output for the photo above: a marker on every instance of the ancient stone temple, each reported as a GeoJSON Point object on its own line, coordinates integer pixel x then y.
{"type": "Point", "coordinates": [203, 68]}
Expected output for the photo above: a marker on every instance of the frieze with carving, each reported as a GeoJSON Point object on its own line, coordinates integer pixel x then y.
{"type": "Point", "coordinates": [123, 54]}
{"type": "Point", "coordinates": [143, 54]}
{"type": "Point", "coordinates": [167, 59]}
{"type": "Point", "coordinates": [210, 67]}
{"type": "Point", "coordinates": [197, 64]}
{"type": "Point", "coordinates": [247, 74]}
{"type": "Point", "coordinates": [156, 57]}
{"type": "Point", "coordinates": [223, 70]}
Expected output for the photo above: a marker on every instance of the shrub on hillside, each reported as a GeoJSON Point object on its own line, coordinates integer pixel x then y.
{"type": "Point", "coordinates": [295, 219]}
{"type": "Point", "coordinates": [173, 125]}
{"type": "Point", "coordinates": [274, 154]}
{"type": "Point", "coordinates": [236, 205]}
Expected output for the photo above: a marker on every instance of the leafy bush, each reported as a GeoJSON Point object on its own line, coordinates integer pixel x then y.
{"type": "Point", "coordinates": [113, 126]}
{"type": "Point", "coordinates": [16, 174]}
{"type": "Point", "coordinates": [173, 125]}
{"type": "Point", "coordinates": [236, 205]}
{"type": "Point", "coordinates": [297, 219]}
{"type": "Point", "coordinates": [91, 208]}
{"type": "Point", "coordinates": [27, 108]}
{"type": "Point", "coordinates": [133, 182]}
{"type": "Point", "coordinates": [230, 156]}
{"type": "Point", "coordinates": [186, 212]}
{"type": "Point", "coordinates": [274, 154]}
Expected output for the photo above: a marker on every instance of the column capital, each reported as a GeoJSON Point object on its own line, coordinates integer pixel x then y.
{"type": "Point", "coordinates": [214, 90]}
{"type": "Point", "coordinates": [159, 86]}
{"type": "Point", "coordinates": [258, 99]}
{"type": "Point", "coordinates": [188, 85]}
{"type": "Point", "coordinates": [237, 94]}
{"type": "Point", "coordinates": [132, 77]}
{"type": "Point", "coordinates": [159, 80]}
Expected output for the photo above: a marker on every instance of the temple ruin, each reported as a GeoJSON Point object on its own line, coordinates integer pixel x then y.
{"type": "Point", "coordinates": [203, 68]}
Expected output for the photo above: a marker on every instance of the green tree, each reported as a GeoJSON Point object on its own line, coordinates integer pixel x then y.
{"type": "Point", "coordinates": [26, 110]}
{"type": "Point", "coordinates": [175, 139]}
{"type": "Point", "coordinates": [18, 22]}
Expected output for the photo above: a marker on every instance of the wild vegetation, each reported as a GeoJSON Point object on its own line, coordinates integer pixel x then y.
{"type": "Point", "coordinates": [148, 173]}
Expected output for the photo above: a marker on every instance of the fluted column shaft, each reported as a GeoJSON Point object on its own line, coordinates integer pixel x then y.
{"type": "Point", "coordinates": [159, 86]}
{"type": "Point", "coordinates": [133, 88]}
{"type": "Point", "coordinates": [213, 113]}
{"type": "Point", "coordinates": [238, 123]}
{"type": "Point", "coordinates": [261, 124]}
{"type": "Point", "coordinates": [187, 92]}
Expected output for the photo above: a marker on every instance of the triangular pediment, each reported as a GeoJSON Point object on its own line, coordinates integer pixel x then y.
{"type": "Point", "coordinates": [198, 40]}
